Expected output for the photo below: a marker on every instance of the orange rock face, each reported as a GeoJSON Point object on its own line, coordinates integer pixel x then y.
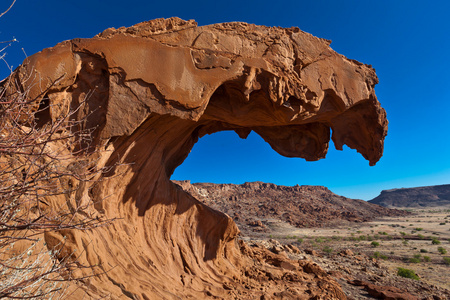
{"type": "Point", "coordinates": [151, 91]}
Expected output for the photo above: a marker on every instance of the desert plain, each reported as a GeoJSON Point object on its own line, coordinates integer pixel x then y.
{"type": "Point", "coordinates": [373, 250]}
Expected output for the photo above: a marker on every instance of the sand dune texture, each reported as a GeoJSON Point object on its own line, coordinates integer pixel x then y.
{"type": "Point", "coordinates": [150, 92]}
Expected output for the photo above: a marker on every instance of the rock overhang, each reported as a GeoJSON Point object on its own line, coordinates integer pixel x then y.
{"type": "Point", "coordinates": [287, 85]}
{"type": "Point", "coordinates": [150, 91]}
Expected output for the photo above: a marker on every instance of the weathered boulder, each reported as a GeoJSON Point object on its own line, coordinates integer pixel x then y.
{"type": "Point", "coordinates": [150, 91]}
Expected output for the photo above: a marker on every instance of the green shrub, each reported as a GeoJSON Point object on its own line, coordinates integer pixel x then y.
{"type": "Point", "coordinates": [405, 242]}
{"type": "Point", "coordinates": [435, 241]}
{"type": "Point", "coordinates": [442, 250]}
{"type": "Point", "coordinates": [414, 260]}
{"type": "Point", "coordinates": [442, 223]}
{"type": "Point", "coordinates": [423, 251]}
{"type": "Point", "coordinates": [300, 240]}
{"type": "Point", "coordinates": [426, 258]}
{"type": "Point", "coordinates": [375, 244]}
{"type": "Point", "coordinates": [447, 260]}
{"type": "Point", "coordinates": [407, 273]}
{"type": "Point", "coordinates": [418, 229]}
{"type": "Point", "coordinates": [379, 255]}
{"type": "Point", "coordinates": [402, 233]}
{"type": "Point", "coordinates": [327, 249]}
{"type": "Point", "coordinates": [420, 236]}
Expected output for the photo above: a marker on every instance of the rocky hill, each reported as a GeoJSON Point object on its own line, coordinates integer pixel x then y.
{"type": "Point", "coordinates": [426, 196]}
{"type": "Point", "coordinates": [252, 204]}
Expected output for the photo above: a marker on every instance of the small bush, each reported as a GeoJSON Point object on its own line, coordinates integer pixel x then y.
{"type": "Point", "coordinates": [327, 249]}
{"type": "Point", "coordinates": [426, 258]}
{"type": "Point", "coordinates": [423, 251]}
{"type": "Point", "coordinates": [319, 240]}
{"type": "Point", "coordinates": [379, 255]}
{"type": "Point", "coordinates": [407, 273]}
{"type": "Point", "coordinates": [447, 260]}
{"type": "Point", "coordinates": [414, 260]}
{"type": "Point", "coordinates": [443, 223]}
{"type": "Point", "coordinates": [435, 241]}
{"type": "Point", "coordinates": [300, 240]}
{"type": "Point", "coordinates": [442, 250]}
{"type": "Point", "coordinates": [420, 236]}
{"type": "Point", "coordinates": [402, 233]}
{"type": "Point", "coordinates": [405, 242]}
{"type": "Point", "coordinates": [375, 244]}
{"type": "Point", "coordinates": [418, 229]}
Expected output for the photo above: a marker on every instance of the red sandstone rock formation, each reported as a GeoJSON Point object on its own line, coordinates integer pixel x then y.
{"type": "Point", "coordinates": [150, 91]}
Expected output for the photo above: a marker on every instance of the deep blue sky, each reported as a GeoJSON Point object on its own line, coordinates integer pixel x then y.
{"type": "Point", "coordinates": [407, 42]}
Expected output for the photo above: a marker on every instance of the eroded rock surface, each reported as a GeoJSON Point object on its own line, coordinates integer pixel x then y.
{"type": "Point", "coordinates": [150, 91]}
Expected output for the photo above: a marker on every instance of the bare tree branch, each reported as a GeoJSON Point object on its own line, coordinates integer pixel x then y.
{"type": "Point", "coordinates": [3, 13]}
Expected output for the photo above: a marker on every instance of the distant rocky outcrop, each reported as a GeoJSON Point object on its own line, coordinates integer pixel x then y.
{"type": "Point", "coordinates": [301, 206]}
{"type": "Point", "coordinates": [148, 93]}
{"type": "Point", "coordinates": [418, 197]}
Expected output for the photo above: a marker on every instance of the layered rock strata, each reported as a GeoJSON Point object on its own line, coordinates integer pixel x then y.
{"type": "Point", "coordinates": [148, 93]}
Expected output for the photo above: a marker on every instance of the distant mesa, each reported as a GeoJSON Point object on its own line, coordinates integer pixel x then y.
{"type": "Point", "coordinates": [151, 91]}
{"type": "Point", "coordinates": [418, 197]}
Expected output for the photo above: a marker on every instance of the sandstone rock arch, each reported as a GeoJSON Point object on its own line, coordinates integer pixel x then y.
{"type": "Point", "coordinates": [150, 91]}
